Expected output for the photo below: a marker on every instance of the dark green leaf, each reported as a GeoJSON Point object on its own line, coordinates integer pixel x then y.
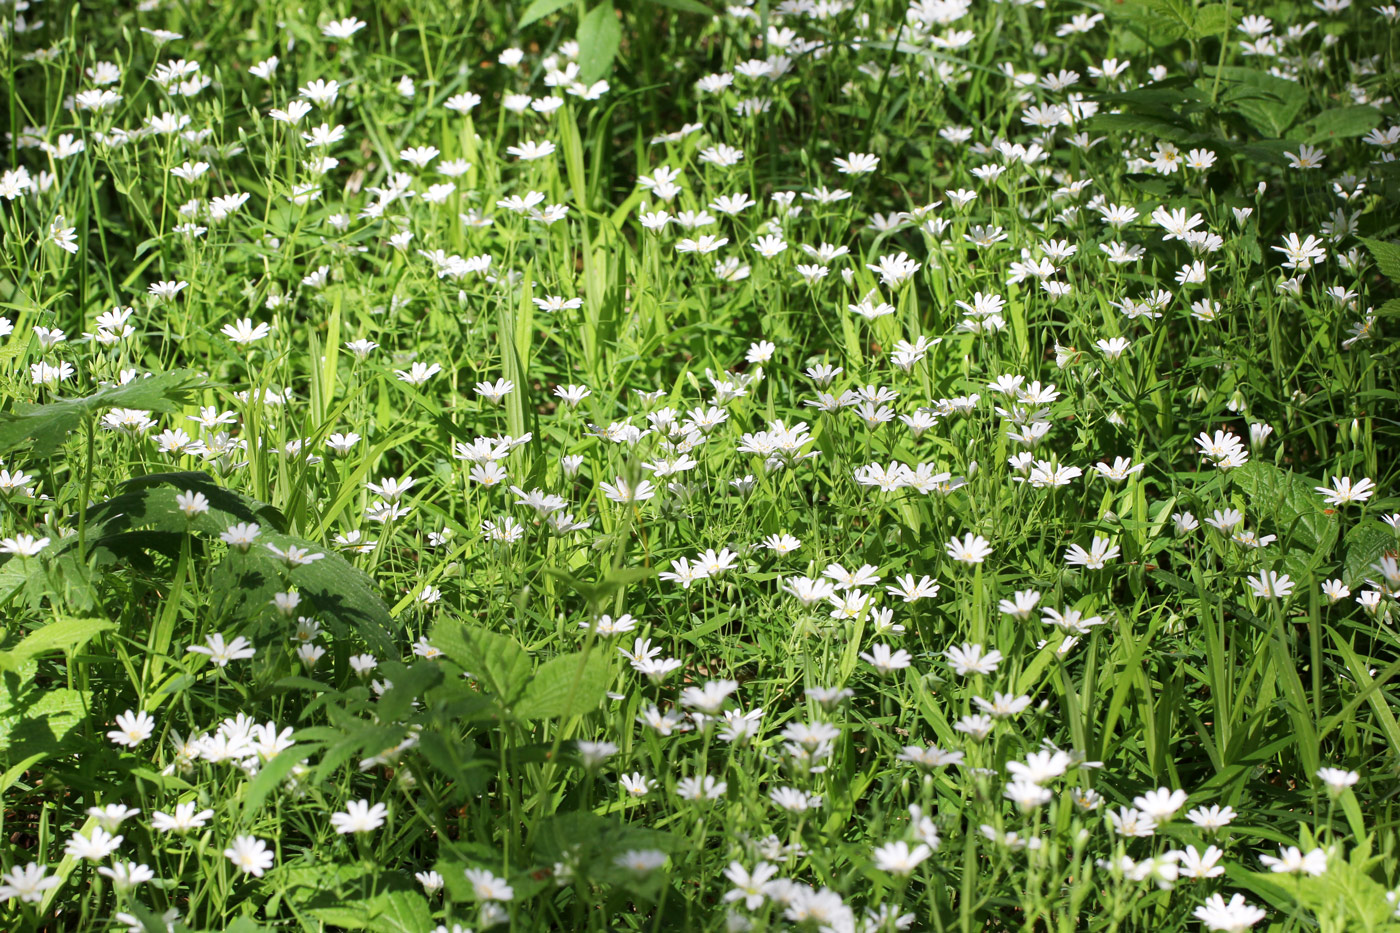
{"type": "Point", "coordinates": [67, 633]}
{"type": "Point", "coordinates": [1210, 20]}
{"type": "Point", "coordinates": [1366, 544]}
{"type": "Point", "coordinates": [686, 6]}
{"type": "Point", "coordinates": [1387, 256]}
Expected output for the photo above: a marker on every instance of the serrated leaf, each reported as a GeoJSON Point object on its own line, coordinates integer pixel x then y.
{"type": "Point", "coordinates": [409, 685]}
{"type": "Point", "coordinates": [1270, 104]}
{"type": "Point", "coordinates": [599, 36]}
{"type": "Point", "coordinates": [336, 589]}
{"type": "Point", "coordinates": [1386, 255]}
{"type": "Point", "coordinates": [1296, 509]}
{"type": "Point", "coordinates": [35, 720]}
{"type": "Point", "coordinates": [46, 427]}
{"type": "Point", "coordinates": [149, 502]}
{"type": "Point", "coordinates": [1366, 544]}
{"type": "Point", "coordinates": [496, 662]}
{"type": "Point", "coordinates": [1210, 20]}
{"type": "Point", "coordinates": [1160, 22]}
{"type": "Point", "coordinates": [569, 685]}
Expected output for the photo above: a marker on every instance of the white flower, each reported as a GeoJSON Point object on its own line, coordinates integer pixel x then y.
{"type": "Point", "coordinates": [1235, 917]}
{"type": "Point", "coordinates": [221, 652]}
{"type": "Point", "coordinates": [972, 549]}
{"type": "Point", "coordinates": [28, 883]}
{"type": "Point", "coordinates": [1344, 492]}
{"type": "Point", "coordinates": [1291, 860]}
{"type": "Point", "coordinates": [359, 817]}
{"type": "Point", "coordinates": [133, 728]}
{"type": "Point", "coordinates": [249, 855]}
{"type": "Point", "coordinates": [898, 859]}
{"type": "Point", "coordinates": [487, 887]}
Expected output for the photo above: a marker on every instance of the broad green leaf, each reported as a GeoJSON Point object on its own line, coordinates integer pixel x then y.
{"type": "Point", "coordinates": [409, 685]}
{"type": "Point", "coordinates": [569, 685]}
{"type": "Point", "coordinates": [1160, 22]}
{"type": "Point", "coordinates": [65, 634]}
{"type": "Point", "coordinates": [1341, 123]}
{"type": "Point", "coordinates": [46, 427]}
{"type": "Point", "coordinates": [400, 912]}
{"type": "Point", "coordinates": [124, 523]}
{"type": "Point", "coordinates": [495, 661]}
{"type": "Point", "coordinates": [686, 6]}
{"type": "Point", "coordinates": [1270, 104]}
{"type": "Point", "coordinates": [1288, 499]}
{"type": "Point", "coordinates": [1210, 20]}
{"type": "Point", "coordinates": [599, 35]}
{"type": "Point", "coordinates": [539, 10]}
{"type": "Point", "coordinates": [148, 502]}
{"type": "Point", "coordinates": [35, 719]}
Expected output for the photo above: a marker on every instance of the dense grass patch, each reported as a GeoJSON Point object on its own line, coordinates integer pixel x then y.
{"type": "Point", "coordinates": [839, 466]}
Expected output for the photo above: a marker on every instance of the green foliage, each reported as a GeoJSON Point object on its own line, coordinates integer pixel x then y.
{"type": "Point", "coordinates": [565, 686]}
{"type": "Point", "coordinates": [42, 429]}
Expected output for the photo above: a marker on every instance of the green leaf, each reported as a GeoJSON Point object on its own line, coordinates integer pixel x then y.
{"type": "Point", "coordinates": [47, 427]}
{"type": "Point", "coordinates": [1297, 511]}
{"type": "Point", "coordinates": [496, 662]}
{"type": "Point", "coordinates": [686, 6]}
{"type": "Point", "coordinates": [408, 686]}
{"type": "Point", "coordinates": [268, 777]}
{"type": "Point", "coordinates": [1210, 20]}
{"type": "Point", "coordinates": [1270, 104]}
{"type": "Point", "coordinates": [147, 502]}
{"type": "Point", "coordinates": [66, 634]}
{"type": "Point", "coordinates": [400, 912]}
{"type": "Point", "coordinates": [599, 35]}
{"type": "Point", "coordinates": [1160, 22]}
{"type": "Point", "coordinates": [1366, 544]}
{"type": "Point", "coordinates": [569, 685]}
{"type": "Point", "coordinates": [336, 589]}
{"type": "Point", "coordinates": [539, 10]}
{"type": "Point", "coordinates": [35, 720]}
{"type": "Point", "coordinates": [1387, 256]}
{"type": "Point", "coordinates": [1341, 123]}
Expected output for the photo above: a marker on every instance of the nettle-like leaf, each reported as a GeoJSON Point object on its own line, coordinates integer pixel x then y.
{"type": "Point", "coordinates": [1162, 22]}
{"type": "Point", "coordinates": [1268, 103]}
{"type": "Point", "coordinates": [1366, 544]}
{"type": "Point", "coordinates": [45, 428]}
{"type": "Point", "coordinates": [1341, 123]}
{"type": "Point", "coordinates": [1387, 257]}
{"type": "Point", "coordinates": [1296, 510]}
{"type": "Point", "coordinates": [144, 516]}
{"type": "Point", "coordinates": [35, 719]}
{"type": "Point", "coordinates": [495, 661]}
{"type": "Point", "coordinates": [569, 685]}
